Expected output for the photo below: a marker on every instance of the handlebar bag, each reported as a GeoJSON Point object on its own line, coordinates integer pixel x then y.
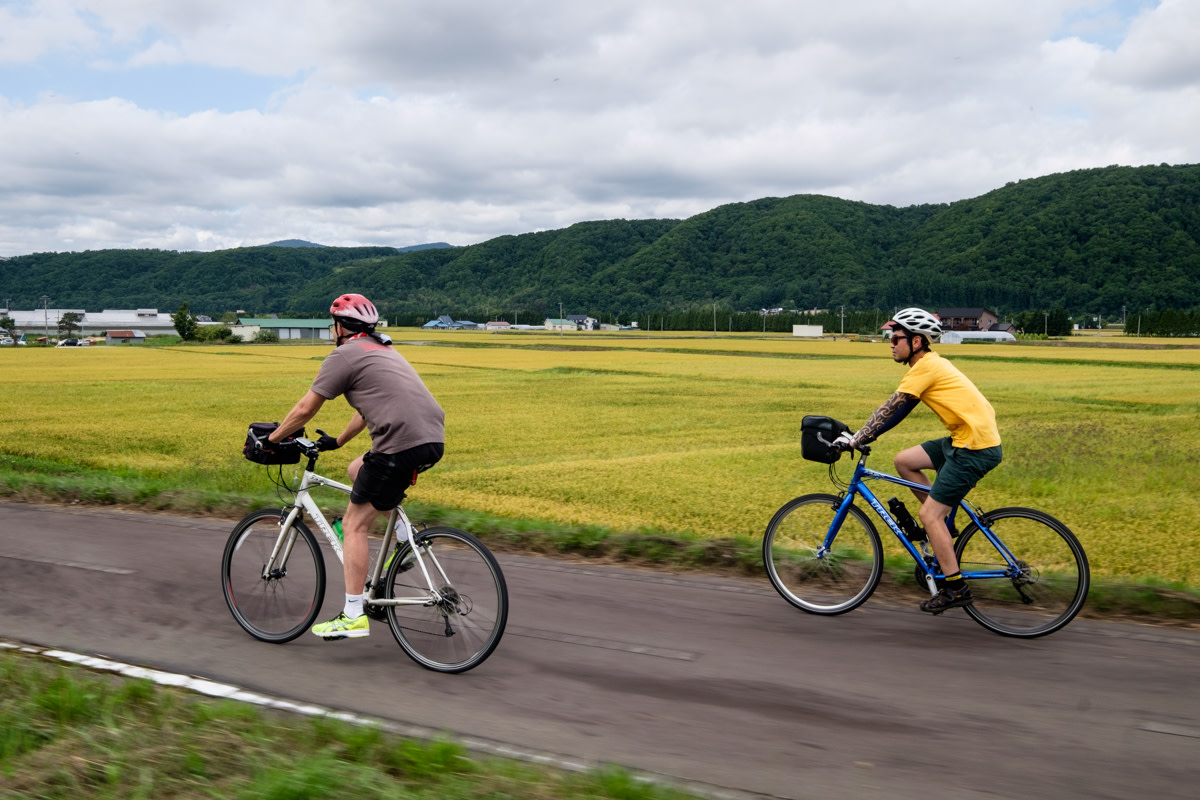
{"type": "Point", "coordinates": [261, 451]}
{"type": "Point", "coordinates": [816, 438]}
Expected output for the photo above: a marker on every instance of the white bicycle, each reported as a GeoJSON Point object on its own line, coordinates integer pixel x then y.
{"type": "Point", "coordinates": [439, 589]}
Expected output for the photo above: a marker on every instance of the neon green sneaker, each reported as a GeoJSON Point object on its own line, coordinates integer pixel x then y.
{"type": "Point", "coordinates": [342, 627]}
{"type": "Point", "coordinates": [405, 565]}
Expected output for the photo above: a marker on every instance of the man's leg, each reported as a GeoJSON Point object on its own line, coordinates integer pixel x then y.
{"type": "Point", "coordinates": [355, 548]}
{"type": "Point", "coordinates": [911, 464]}
{"type": "Point", "coordinates": [355, 525]}
{"type": "Point", "coordinates": [352, 623]}
{"type": "Point", "coordinates": [933, 520]}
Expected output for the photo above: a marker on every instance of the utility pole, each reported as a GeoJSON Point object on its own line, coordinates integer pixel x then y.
{"type": "Point", "coordinates": [714, 319]}
{"type": "Point", "coordinates": [843, 321]}
{"type": "Point", "coordinates": [46, 316]}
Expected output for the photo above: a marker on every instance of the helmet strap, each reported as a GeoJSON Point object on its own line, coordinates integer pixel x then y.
{"type": "Point", "coordinates": [912, 351]}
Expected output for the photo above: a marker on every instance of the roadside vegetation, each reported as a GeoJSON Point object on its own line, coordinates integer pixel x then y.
{"type": "Point", "coordinates": [652, 449]}
{"type": "Point", "coordinates": [68, 733]}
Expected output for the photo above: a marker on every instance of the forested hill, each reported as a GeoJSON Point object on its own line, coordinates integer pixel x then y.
{"type": "Point", "coordinates": [1095, 240]}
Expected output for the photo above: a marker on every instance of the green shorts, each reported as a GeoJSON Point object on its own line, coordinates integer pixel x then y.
{"type": "Point", "coordinates": [958, 469]}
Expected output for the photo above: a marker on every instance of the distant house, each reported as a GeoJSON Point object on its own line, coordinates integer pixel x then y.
{"type": "Point", "coordinates": [960, 325]}
{"type": "Point", "coordinates": [124, 337]}
{"type": "Point", "coordinates": [583, 322]}
{"type": "Point", "coordinates": [315, 330]}
{"type": "Point", "coordinates": [560, 325]}
{"type": "Point", "coordinates": [497, 325]}
{"type": "Point", "coordinates": [967, 319]}
{"type": "Point", "coordinates": [447, 323]}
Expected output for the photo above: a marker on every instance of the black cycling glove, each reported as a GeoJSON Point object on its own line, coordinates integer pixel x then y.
{"type": "Point", "coordinates": [327, 442]}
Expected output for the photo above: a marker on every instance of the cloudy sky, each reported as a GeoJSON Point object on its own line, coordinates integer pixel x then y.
{"type": "Point", "coordinates": [201, 126]}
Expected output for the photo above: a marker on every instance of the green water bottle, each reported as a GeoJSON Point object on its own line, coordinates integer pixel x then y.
{"type": "Point", "coordinates": [337, 527]}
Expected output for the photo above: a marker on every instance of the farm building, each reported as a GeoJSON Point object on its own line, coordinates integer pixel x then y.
{"type": "Point", "coordinates": [287, 329]}
{"type": "Point", "coordinates": [958, 337]}
{"type": "Point", "coordinates": [124, 337]}
{"type": "Point", "coordinates": [94, 323]}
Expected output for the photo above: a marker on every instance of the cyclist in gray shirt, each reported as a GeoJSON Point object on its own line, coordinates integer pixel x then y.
{"type": "Point", "coordinates": [407, 428]}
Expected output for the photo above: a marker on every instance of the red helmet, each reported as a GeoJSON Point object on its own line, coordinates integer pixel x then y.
{"type": "Point", "coordinates": [354, 311]}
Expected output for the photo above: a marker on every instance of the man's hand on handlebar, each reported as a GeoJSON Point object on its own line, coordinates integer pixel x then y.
{"type": "Point", "coordinates": [844, 442]}
{"type": "Point", "coordinates": [327, 442]}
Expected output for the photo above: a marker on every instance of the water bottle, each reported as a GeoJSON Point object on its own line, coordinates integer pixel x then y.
{"type": "Point", "coordinates": [912, 531]}
{"type": "Point", "coordinates": [337, 527]}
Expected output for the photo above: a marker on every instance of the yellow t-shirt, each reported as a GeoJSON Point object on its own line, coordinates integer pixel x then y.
{"type": "Point", "coordinates": [960, 406]}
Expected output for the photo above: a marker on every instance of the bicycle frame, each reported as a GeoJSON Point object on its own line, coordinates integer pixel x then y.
{"type": "Point", "coordinates": [927, 562]}
{"type": "Point", "coordinates": [305, 504]}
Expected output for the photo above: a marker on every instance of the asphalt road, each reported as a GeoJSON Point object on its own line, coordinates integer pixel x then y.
{"type": "Point", "coordinates": [705, 679]}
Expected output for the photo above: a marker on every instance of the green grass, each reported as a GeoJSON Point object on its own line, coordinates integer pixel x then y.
{"type": "Point", "coordinates": [69, 734]}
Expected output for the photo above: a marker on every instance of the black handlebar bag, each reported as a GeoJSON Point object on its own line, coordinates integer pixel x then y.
{"type": "Point", "coordinates": [816, 438]}
{"type": "Point", "coordinates": [261, 451]}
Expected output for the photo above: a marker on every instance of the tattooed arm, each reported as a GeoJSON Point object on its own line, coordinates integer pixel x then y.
{"type": "Point", "coordinates": [886, 417]}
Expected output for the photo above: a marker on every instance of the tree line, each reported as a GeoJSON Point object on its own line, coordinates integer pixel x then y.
{"type": "Point", "coordinates": [1108, 242]}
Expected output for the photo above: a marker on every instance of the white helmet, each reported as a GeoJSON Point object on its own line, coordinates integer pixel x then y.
{"type": "Point", "coordinates": [918, 320]}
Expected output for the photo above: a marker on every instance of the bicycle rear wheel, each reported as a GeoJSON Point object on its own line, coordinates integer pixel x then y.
{"type": "Point", "coordinates": [1046, 588]}
{"type": "Point", "coordinates": [811, 578]}
{"type": "Point", "coordinates": [284, 602]}
{"type": "Point", "coordinates": [460, 630]}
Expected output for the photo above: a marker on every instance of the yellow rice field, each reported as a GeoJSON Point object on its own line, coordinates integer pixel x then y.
{"type": "Point", "coordinates": [695, 434]}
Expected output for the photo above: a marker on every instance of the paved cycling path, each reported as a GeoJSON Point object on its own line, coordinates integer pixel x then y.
{"type": "Point", "coordinates": [708, 679]}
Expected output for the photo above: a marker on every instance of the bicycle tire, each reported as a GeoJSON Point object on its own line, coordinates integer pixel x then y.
{"type": "Point", "coordinates": [1049, 589]}
{"type": "Point", "coordinates": [463, 629]}
{"type": "Point", "coordinates": [284, 605]}
{"type": "Point", "coordinates": [832, 583]}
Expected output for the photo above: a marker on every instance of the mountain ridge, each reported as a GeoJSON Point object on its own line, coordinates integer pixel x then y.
{"type": "Point", "coordinates": [1098, 240]}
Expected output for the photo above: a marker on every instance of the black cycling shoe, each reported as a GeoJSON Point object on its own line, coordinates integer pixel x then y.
{"type": "Point", "coordinates": [948, 598]}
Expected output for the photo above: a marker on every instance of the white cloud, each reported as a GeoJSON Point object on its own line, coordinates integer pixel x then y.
{"type": "Point", "coordinates": [460, 120]}
{"type": "Point", "coordinates": [1160, 52]}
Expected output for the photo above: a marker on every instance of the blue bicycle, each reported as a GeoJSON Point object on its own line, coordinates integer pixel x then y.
{"type": "Point", "coordinates": [1028, 573]}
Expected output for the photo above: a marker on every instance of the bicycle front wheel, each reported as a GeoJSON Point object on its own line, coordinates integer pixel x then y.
{"type": "Point", "coordinates": [1042, 591]}
{"type": "Point", "coordinates": [810, 576]}
{"type": "Point", "coordinates": [276, 602]}
{"type": "Point", "coordinates": [461, 627]}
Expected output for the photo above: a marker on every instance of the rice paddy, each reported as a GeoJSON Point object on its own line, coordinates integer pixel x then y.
{"type": "Point", "coordinates": [697, 435]}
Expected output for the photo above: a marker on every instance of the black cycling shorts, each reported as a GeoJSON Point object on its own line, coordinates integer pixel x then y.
{"type": "Point", "coordinates": [384, 477]}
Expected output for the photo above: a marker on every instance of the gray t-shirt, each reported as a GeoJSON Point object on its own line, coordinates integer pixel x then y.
{"type": "Point", "coordinates": [382, 386]}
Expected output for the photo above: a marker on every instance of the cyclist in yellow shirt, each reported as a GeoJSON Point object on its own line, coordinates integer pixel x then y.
{"type": "Point", "coordinates": [970, 451]}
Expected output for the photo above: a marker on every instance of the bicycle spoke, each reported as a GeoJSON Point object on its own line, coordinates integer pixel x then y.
{"type": "Point", "coordinates": [280, 603]}
{"type": "Point", "coordinates": [459, 627]}
{"type": "Point", "coordinates": [809, 574]}
{"type": "Point", "coordinates": [1038, 594]}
